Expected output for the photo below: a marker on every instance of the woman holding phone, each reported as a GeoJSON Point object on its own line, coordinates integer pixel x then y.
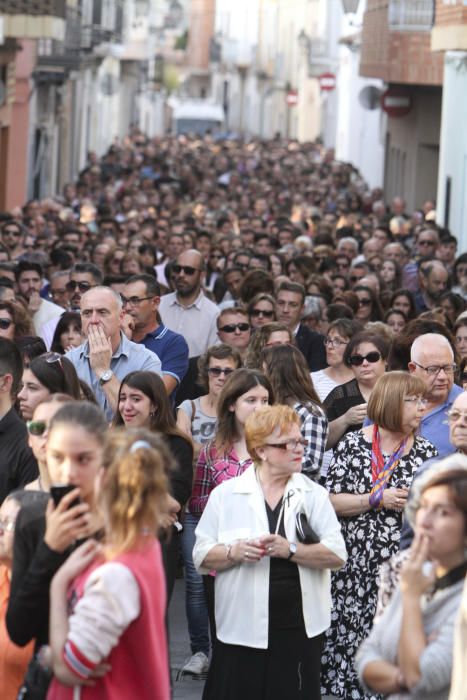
{"type": "Point", "coordinates": [47, 533]}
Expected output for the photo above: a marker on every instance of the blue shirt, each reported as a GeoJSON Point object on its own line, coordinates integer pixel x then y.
{"type": "Point", "coordinates": [128, 357]}
{"type": "Point", "coordinates": [172, 350]}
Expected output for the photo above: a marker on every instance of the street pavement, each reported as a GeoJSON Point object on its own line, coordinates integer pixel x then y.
{"type": "Point", "coordinates": [186, 687]}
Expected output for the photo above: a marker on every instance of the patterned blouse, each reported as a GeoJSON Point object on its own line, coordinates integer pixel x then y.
{"type": "Point", "coordinates": [214, 466]}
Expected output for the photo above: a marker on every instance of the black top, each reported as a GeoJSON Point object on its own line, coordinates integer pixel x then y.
{"type": "Point", "coordinates": [342, 398]}
{"type": "Point", "coordinates": [18, 464]}
{"type": "Point", "coordinates": [34, 565]}
{"type": "Point", "coordinates": [181, 478]}
{"type": "Point", "coordinates": [285, 593]}
{"type": "Point", "coordinates": [311, 344]}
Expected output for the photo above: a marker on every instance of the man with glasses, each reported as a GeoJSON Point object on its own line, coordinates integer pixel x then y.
{"type": "Point", "coordinates": [432, 359]}
{"type": "Point", "coordinates": [107, 356]}
{"type": "Point", "coordinates": [18, 464]}
{"type": "Point", "coordinates": [233, 328]}
{"type": "Point", "coordinates": [12, 238]}
{"type": "Point", "coordinates": [83, 277]}
{"type": "Point", "coordinates": [187, 310]}
{"type": "Point", "coordinates": [141, 299]}
{"type": "Point", "coordinates": [290, 302]}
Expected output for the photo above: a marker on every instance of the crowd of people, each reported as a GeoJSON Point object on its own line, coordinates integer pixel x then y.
{"type": "Point", "coordinates": [232, 361]}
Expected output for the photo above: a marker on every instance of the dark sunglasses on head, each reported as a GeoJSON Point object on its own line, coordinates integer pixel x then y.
{"type": "Point", "coordinates": [261, 312]}
{"type": "Point", "coordinates": [5, 323]}
{"type": "Point", "coordinates": [217, 371]}
{"type": "Point", "coordinates": [232, 327]}
{"type": "Point", "coordinates": [187, 269]}
{"type": "Point", "coordinates": [82, 286]}
{"type": "Point", "coordinates": [36, 427]}
{"type": "Point", "coordinates": [357, 360]}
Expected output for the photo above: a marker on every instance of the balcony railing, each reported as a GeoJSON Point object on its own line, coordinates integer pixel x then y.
{"type": "Point", "coordinates": [411, 15]}
{"type": "Point", "coordinates": [45, 8]}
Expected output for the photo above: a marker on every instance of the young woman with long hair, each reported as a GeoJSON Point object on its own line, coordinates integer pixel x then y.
{"type": "Point", "coordinates": [143, 403]}
{"type": "Point", "coordinates": [116, 631]}
{"type": "Point", "coordinates": [47, 374]}
{"type": "Point", "coordinates": [289, 374]}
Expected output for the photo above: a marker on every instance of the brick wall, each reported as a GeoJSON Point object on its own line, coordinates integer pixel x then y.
{"type": "Point", "coordinates": [397, 57]}
{"type": "Point", "coordinates": [450, 14]}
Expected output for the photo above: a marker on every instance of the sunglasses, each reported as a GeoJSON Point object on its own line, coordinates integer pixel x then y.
{"type": "Point", "coordinates": [186, 269]}
{"type": "Point", "coordinates": [10, 232]}
{"type": "Point", "coordinates": [260, 312]}
{"type": "Point", "coordinates": [82, 286]}
{"type": "Point", "coordinates": [5, 323]}
{"type": "Point", "coordinates": [357, 360]}
{"type": "Point", "coordinates": [217, 371]}
{"type": "Point", "coordinates": [364, 302]}
{"type": "Point", "coordinates": [232, 327]}
{"type": "Point", "coordinates": [36, 427]}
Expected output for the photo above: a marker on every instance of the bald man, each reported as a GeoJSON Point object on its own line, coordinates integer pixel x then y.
{"type": "Point", "coordinates": [187, 310]}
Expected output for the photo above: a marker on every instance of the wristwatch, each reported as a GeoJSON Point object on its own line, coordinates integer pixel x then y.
{"type": "Point", "coordinates": [292, 549]}
{"type": "Point", "coordinates": [106, 376]}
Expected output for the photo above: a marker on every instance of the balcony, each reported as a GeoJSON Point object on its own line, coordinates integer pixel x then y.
{"type": "Point", "coordinates": [29, 19]}
{"type": "Point", "coordinates": [413, 16]}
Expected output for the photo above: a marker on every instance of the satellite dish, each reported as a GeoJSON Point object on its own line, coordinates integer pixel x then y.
{"type": "Point", "coordinates": [370, 97]}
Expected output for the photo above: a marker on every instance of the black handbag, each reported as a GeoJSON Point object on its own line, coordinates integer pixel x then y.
{"type": "Point", "coordinates": [36, 681]}
{"type": "Point", "coordinates": [305, 533]}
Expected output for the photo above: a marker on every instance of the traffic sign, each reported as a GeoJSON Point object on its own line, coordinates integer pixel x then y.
{"type": "Point", "coordinates": [327, 81]}
{"type": "Point", "coordinates": [292, 98]}
{"type": "Point", "coordinates": [396, 103]}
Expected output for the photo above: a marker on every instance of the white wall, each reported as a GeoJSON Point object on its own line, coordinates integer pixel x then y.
{"type": "Point", "coordinates": [453, 146]}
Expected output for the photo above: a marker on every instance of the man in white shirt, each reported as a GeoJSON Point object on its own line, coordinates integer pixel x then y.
{"type": "Point", "coordinates": [187, 310]}
{"type": "Point", "coordinates": [29, 282]}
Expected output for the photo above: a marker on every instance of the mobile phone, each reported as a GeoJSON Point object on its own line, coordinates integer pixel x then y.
{"type": "Point", "coordinates": [58, 492]}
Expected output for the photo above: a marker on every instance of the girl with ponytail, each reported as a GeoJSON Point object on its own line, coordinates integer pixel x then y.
{"type": "Point", "coordinates": [115, 634]}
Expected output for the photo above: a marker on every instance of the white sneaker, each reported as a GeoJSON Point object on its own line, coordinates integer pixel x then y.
{"type": "Point", "coordinates": [197, 665]}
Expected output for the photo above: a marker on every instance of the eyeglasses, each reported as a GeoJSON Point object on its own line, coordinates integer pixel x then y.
{"type": "Point", "coordinates": [454, 415]}
{"type": "Point", "coordinates": [7, 525]}
{"type": "Point", "coordinates": [260, 312]}
{"type": "Point", "coordinates": [36, 427]}
{"type": "Point", "coordinates": [5, 323]}
{"type": "Point", "coordinates": [434, 370]}
{"type": "Point", "coordinates": [217, 371]}
{"type": "Point", "coordinates": [290, 445]}
{"type": "Point", "coordinates": [133, 301]}
{"type": "Point", "coordinates": [364, 302]}
{"type": "Point", "coordinates": [232, 327]}
{"type": "Point", "coordinates": [426, 243]}
{"type": "Point", "coordinates": [415, 400]}
{"type": "Point", "coordinates": [186, 269]}
{"type": "Point", "coordinates": [82, 286]}
{"type": "Point", "coordinates": [335, 342]}
{"type": "Point", "coordinates": [357, 360]}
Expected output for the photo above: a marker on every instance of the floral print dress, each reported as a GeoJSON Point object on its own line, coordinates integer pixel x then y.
{"type": "Point", "coordinates": [371, 538]}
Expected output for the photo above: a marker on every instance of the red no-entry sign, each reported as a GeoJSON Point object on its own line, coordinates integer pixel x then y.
{"type": "Point", "coordinates": [395, 103]}
{"type": "Point", "coordinates": [327, 81]}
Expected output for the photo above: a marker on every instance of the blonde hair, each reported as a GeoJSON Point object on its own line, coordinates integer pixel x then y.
{"type": "Point", "coordinates": [263, 422]}
{"type": "Point", "coordinates": [135, 485]}
{"type": "Point", "coordinates": [386, 403]}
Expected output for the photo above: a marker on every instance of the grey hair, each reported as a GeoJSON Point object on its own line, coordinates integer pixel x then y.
{"type": "Point", "coordinates": [420, 343]}
{"type": "Point", "coordinates": [102, 288]}
{"type": "Point", "coordinates": [456, 462]}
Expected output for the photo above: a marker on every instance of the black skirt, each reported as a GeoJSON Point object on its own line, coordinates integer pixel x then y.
{"type": "Point", "coordinates": [289, 669]}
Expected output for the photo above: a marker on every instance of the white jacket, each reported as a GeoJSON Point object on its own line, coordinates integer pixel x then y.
{"type": "Point", "coordinates": [236, 511]}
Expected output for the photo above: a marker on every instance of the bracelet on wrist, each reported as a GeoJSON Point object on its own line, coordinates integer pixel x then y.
{"type": "Point", "coordinates": [228, 552]}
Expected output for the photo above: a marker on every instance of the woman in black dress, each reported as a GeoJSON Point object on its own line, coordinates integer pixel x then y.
{"type": "Point", "coordinates": [271, 590]}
